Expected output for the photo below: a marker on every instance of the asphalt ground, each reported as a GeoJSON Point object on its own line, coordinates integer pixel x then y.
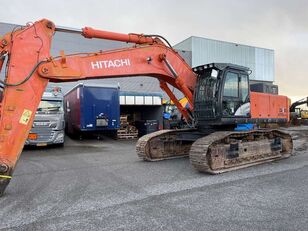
{"type": "Point", "coordinates": [102, 185]}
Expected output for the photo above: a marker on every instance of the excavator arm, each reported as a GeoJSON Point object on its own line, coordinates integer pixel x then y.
{"type": "Point", "coordinates": [298, 103]}
{"type": "Point", "coordinates": [30, 67]}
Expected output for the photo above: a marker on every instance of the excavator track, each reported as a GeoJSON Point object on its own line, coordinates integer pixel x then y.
{"type": "Point", "coordinates": [226, 151]}
{"type": "Point", "coordinates": [164, 144]}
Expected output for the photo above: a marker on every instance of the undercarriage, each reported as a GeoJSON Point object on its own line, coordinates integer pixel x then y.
{"type": "Point", "coordinates": [166, 144]}
{"type": "Point", "coordinates": [217, 152]}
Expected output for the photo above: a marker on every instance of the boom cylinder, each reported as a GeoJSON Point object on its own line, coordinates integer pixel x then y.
{"type": "Point", "coordinates": [89, 32]}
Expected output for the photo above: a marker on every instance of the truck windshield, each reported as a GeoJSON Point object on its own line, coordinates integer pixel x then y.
{"type": "Point", "coordinates": [50, 105]}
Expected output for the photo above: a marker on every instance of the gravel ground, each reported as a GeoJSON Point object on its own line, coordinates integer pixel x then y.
{"type": "Point", "coordinates": [102, 185]}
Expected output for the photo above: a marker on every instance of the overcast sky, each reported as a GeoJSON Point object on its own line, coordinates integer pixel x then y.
{"type": "Point", "coordinates": [281, 25]}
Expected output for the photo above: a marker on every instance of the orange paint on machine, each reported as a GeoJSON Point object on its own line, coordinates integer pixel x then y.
{"type": "Point", "coordinates": [269, 106]}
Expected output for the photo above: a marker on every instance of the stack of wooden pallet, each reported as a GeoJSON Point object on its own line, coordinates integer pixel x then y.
{"type": "Point", "coordinates": [126, 130]}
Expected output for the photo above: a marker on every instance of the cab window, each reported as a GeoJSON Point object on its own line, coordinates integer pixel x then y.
{"type": "Point", "coordinates": [244, 88]}
{"type": "Point", "coordinates": [231, 85]}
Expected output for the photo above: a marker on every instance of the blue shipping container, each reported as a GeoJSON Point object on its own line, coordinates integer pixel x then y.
{"type": "Point", "coordinates": [92, 108]}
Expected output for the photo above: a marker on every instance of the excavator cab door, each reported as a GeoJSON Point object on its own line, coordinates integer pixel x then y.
{"type": "Point", "coordinates": [235, 95]}
{"type": "Point", "coordinates": [206, 95]}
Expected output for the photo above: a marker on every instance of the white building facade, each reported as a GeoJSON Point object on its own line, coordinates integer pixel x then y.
{"type": "Point", "coordinates": [204, 51]}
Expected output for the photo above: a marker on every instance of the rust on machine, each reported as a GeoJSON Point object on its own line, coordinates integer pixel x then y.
{"type": "Point", "coordinates": [163, 145]}
{"type": "Point", "coordinates": [218, 152]}
{"type": "Point", "coordinates": [226, 151]}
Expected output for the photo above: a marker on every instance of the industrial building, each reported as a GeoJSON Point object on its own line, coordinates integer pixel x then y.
{"type": "Point", "coordinates": [259, 60]}
{"type": "Point", "coordinates": [195, 50]}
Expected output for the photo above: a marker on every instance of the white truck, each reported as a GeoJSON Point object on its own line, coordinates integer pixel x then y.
{"type": "Point", "coordinates": [48, 124]}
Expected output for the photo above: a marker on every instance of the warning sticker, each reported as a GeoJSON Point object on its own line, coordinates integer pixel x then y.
{"type": "Point", "coordinates": [25, 117]}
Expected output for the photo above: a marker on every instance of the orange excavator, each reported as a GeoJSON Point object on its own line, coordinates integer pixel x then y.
{"type": "Point", "coordinates": [218, 95]}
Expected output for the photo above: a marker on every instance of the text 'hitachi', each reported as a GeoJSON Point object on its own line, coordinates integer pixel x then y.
{"type": "Point", "coordinates": [110, 63]}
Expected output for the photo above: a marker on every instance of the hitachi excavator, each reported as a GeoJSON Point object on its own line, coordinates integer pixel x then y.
{"type": "Point", "coordinates": [218, 95]}
{"type": "Point", "coordinates": [299, 116]}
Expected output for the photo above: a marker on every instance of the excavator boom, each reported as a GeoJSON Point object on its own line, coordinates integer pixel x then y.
{"type": "Point", "coordinates": [30, 67]}
{"type": "Point", "coordinates": [298, 103]}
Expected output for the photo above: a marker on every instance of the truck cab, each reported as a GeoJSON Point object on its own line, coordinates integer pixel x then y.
{"type": "Point", "coordinates": [48, 124]}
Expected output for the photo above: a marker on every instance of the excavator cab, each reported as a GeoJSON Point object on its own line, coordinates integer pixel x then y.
{"type": "Point", "coordinates": [222, 94]}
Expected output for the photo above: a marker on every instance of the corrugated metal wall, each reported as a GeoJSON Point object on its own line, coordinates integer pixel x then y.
{"type": "Point", "coordinates": [259, 60]}
{"type": "Point", "coordinates": [265, 65]}
{"type": "Point", "coordinates": [185, 45]}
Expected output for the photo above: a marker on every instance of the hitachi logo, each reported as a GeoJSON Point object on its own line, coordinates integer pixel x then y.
{"type": "Point", "coordinates": [110, 63]}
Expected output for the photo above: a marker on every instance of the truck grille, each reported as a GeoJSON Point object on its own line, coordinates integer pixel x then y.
{"type": "Point", "coordinates": [43, 135]}
{"type": "Point", "coordinates": [41, 124]}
